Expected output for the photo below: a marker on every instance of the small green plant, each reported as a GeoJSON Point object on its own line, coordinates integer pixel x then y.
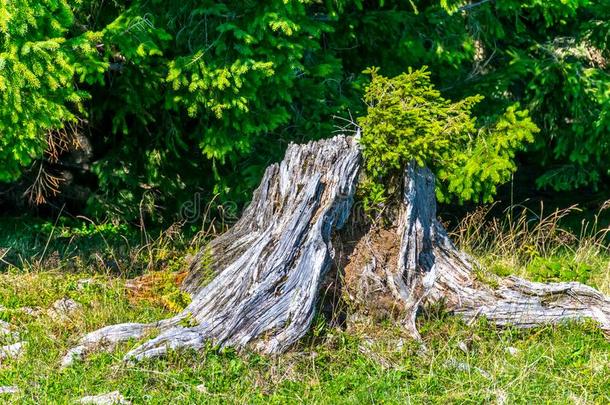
{"type": "Point", "coordinates": [559, 269]}
{"type": "Point", "coordinates": [85, 230]}
{"type": "Point", "coordinates": [408, 120]}
{"type": "Point", "coordinates": [188, 321]}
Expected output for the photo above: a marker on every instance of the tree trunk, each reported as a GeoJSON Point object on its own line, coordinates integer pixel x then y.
{"type": "Point", "coordinates": [269, 267]}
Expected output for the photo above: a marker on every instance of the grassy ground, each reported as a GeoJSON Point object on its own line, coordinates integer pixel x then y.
{"type": "Point", "coordinates": [461, 364]}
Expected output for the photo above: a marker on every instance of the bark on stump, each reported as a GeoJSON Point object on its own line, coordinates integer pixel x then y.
{"type": "Point", "coordinates": [271, 264]}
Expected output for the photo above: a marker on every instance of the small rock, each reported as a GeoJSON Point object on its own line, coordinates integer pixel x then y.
{"type": "Point", "coordinates": [13, 351]}
{"type": "Point", "coordinates": [501, 397]}
{"type": "Point", "coordinates": [465, 367]}
{"type": "Point", "coordinates": [5, 328]}
{"type": "Point", "coordinates": [422, 350]}
{"type": "Point", "coordinates": [201, 388]}
{"type": "Point", "coordinates": [453, 363]}
{"type": "Point", "coordinates": [66, 305]}
{"type": "Point", "coordinates": [112, 398]}
{"type": "Point", "coordinates": [576, 400]}
{"type": "Point", "coordinates": [32, 311]}
{"type": "Point", "coordinates": [7, 334]}
{"type": "Point", "coordinates": [368, 342]}
{"type": "Point", "coordinates": [463, 347]}
{"type": "Point", "coordinates": [74, 354]}
{"type": "Point", "coordinates": [9, 390]}
{"type": "Point", "coordinates": [84, 283]}
{"type": "Point", "coordinates": [64, 309]}
{"type": "Point", "coordinates": [512, 350]}
{"type": "Point", "coordinates": [484, 373]}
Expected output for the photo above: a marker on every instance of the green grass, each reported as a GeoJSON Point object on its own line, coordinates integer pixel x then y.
{"type": "Point", "coordinates": [375, 364]}
{"type": "Point", "coordinates": [539, 246]}
{"type": "Point", "coordinates": [563, 364]}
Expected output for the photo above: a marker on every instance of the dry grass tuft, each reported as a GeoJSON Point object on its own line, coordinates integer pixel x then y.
{"type": "Point", "coordinates": [523, 238]}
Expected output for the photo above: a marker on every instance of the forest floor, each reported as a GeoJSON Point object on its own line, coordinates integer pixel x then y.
{"type": "Point", "coordinates": [58, 282]}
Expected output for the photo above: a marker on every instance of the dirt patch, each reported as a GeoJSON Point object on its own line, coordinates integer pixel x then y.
{"type": "Point", "coordinates": [159, 288]}
{"type": "Point", "coordinates": [373, 258]}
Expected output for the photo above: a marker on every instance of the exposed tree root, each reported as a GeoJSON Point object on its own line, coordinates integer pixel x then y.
{"type": "Point", "coordinates": [515, 301]}
{"type": "Point", "coordinates": [271, 264]}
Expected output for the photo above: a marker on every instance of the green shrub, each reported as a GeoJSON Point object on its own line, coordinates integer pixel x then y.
{"type": "Point", "coordinates": [409, 121]}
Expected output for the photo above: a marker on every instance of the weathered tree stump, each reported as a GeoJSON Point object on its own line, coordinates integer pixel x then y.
{"type": "Point", "coordinates": [269, 267]}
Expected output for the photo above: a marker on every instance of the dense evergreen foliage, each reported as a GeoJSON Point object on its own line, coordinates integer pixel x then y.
{"type": "Point", "coordinates": [408, 120]}
{"type": "Point", "coordinates": [184, 96]}
{"type": "Point", "coordinates": [39, 59]}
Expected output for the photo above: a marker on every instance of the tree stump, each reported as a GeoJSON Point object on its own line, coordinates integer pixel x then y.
{"type": "Point", "coordinates": [269, 267]}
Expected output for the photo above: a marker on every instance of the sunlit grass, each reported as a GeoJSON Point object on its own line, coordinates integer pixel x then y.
{"type": "Point", "coordinates": [376, 363]}
{"type": "Point", "coordinates": [461, 363]}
